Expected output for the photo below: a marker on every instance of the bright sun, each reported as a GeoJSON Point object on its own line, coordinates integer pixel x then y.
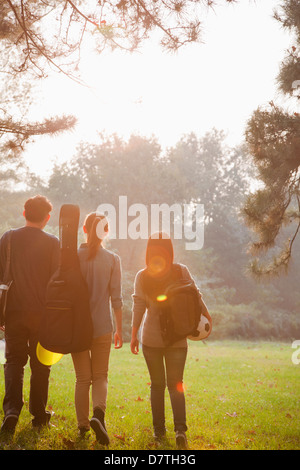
{"type": "Point", "coordinates": [216, 84]}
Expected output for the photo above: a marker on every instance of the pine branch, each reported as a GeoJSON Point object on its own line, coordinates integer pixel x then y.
{"type": "Point", "coordinates": [48, 126]}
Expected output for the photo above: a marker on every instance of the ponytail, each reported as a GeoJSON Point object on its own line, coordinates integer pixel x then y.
{"type": "Point", "coordinates": [93, 241]}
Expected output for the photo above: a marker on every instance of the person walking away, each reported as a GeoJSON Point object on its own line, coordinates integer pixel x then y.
{"type": "Point", "coordinates": [165, 363]}
{"type": "Point", "coordinates": [34, 258]}
{"type": "Point", "coordinates": [101, 269]}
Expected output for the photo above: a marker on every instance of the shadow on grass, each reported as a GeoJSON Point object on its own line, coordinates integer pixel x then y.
{"type": "Point", "coordinates": [26, 439]}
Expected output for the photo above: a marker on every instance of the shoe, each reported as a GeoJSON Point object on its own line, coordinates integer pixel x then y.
{"type": "Point", "coordinates": [98, 426]}
{"type": "Point", "coordinates": [38, 423]}
{"type": "Point", "coordinates": [83, 433]}
{"type": "Point", "coordinates": [159, 436]}
{"type": "Point", "coordinates": [9, 424]}
{"type": "Point", "coordinates": [181, 440]}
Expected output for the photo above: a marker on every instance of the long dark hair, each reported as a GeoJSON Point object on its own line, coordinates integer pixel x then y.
{"type": "Point", "coordinates": [93, 241]}
{"type": "Point", "coordinates": [159, 271]}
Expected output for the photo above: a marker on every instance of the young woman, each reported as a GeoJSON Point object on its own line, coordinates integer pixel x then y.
{"type": "Point", "coordinates": [165, 364]}
{"type": "Point", "coordinates": [102, 271]}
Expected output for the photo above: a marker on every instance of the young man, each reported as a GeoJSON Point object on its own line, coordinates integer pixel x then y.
{"type": "Point", "coordinates": [34, 258]}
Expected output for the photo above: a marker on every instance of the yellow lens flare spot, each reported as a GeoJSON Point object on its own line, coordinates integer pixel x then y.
{"type": "Point", "coordinates": [48, 358]}
{"type": "Point", "coordinates": [161, 298]}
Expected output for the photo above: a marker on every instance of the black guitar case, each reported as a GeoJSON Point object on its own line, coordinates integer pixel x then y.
{"type": "Point", "coordinates": [67, 325]}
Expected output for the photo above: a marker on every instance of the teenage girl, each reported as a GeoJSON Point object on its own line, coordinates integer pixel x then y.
{"type": "Point", "coordinates": [102, 271]}
{"type": "Point", "coordinates": [165, 364]}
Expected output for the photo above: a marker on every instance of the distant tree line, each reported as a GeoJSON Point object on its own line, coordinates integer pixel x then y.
{"type": "Point", "coordinates": [201, 170]}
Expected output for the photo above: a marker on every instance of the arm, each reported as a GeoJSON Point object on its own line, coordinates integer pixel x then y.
{"type": "Point", "coordinates": [3, 257]}
{"type": "Point", "coordinates": [3, 250]}
{"type": "Point", "coordinates": [118, 333]}
{"type": "Point", "coordinates": [2, 263]}
{"type": "Point", "coordinates": [116, 300]}
{"type": "Point", "coordinates": [138, 310]}
{"type": "Point", "coordinates": [134, 344]}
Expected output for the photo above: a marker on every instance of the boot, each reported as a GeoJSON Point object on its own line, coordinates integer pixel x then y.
{"type": "Point", "coordinates": [9, 424]}
{"type": "Point", "coordinates": [181, 440]}
{"type": "Point", "coordinates": [98, 426]}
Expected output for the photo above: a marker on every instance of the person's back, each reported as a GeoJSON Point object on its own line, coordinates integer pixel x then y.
{"type": "Point", "coordinates": [102, 271]}
{"type": "Point", "coordinates": [34, 258]}
{"type": "Point", "coordinates": [102, 274]}
{"type": "Point", "coordinates": [165, 360]}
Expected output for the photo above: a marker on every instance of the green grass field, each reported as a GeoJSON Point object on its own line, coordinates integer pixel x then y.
{"type": "Point", "coordinates": [239, 395]}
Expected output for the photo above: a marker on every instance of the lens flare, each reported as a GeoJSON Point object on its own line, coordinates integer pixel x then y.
{"type": "Point", "coordinates": [48, 358]}
{"type": "Point", "coordinates": [157, 265]}
{"type": "Point", "coordinates": [161, 298]}
{"type": "Point", "coordinates": [180, 387]}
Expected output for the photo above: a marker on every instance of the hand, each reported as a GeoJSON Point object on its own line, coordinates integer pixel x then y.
{"type": "Point", "coordinates": [134, 346]}
{"type": "Point", "coordinates": [2, 328]}
{"type": "Point", "coordinates": [118, 340]}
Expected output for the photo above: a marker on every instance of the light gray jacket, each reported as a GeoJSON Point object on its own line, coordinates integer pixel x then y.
{"type": "Point", "coordinates": [103, 277]}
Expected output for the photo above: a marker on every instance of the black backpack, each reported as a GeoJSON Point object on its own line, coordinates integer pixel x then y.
{"type": "Point", "coordinates": [66, 326]}
{"type": "Point", "coordinates": [179, 308]}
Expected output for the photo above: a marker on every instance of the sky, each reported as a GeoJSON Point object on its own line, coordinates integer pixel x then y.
{"type": "Point", "coordinates": [217, 83]}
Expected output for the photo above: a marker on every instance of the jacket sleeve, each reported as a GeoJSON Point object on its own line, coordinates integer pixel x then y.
{"type": "Point", "coordinates": [115, 287]}
{"type": "Point", "coordinates": [139, 301]}
{"type": "Point", "coordinates": [3, 248]}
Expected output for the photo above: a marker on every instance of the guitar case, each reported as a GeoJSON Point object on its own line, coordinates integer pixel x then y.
{"type": "Point", "coordinates": [66, 326]}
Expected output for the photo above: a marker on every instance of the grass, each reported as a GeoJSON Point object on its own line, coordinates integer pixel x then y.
{"type": "Point", "coordinates": [239, 395]}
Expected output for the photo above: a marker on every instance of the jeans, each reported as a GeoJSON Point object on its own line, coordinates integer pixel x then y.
{"type": "Point", "coordinates": [91, 369]}
{"type": "Point", "coordinates": [21, 336]}
{"type": "Point", "coordinates": [166, 367]}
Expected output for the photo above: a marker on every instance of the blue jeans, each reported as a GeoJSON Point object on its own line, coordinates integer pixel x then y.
{"type": "Point", "coordinates": [166, 367]}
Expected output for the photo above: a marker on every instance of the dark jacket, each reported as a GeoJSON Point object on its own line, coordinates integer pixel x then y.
{"type": "Point", "coordinates": [34, 258]}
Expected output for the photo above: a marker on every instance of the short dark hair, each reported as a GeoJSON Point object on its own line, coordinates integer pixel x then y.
{"type": "Point", "coordinates": [37, 208]}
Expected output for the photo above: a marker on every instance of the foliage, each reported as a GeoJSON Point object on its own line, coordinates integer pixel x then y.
{"type": "Point", "coordinates": [22, 132]}
{"type": "Point", "coordinates": [125, 24]}
{"type": "Point", "coordinates": [273, 138]}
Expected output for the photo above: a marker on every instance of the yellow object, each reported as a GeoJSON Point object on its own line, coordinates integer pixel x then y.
{"type": "Point", "coordinates": [161, 298]}
{"type": "Point", "coordinates": [48, 358]}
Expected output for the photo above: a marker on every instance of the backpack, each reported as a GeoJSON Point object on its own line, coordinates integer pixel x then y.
{"type": "Point", "coordinates": [179, 308]}
{"type": "Point", "coordinates": [66, 325]}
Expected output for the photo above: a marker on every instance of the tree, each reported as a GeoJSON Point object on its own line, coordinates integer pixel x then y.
{"type": "Point", "coordinates": [125, 24]}
{"type": "Point", "coordinates": [16, 91]}
{"type": "Point", "coordinates": [210, 172]}
{"type": "Point", "coordinates": [273, 136]}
